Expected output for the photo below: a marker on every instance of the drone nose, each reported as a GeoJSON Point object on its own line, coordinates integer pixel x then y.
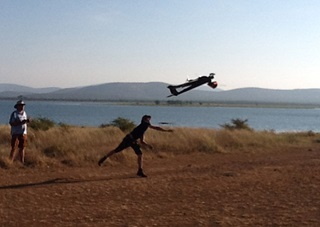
{"type": "Point", "coordinates": [213, 84]}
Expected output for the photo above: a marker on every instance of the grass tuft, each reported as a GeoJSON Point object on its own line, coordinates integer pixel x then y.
{"type": "Point", "coordinates": [83, 146]}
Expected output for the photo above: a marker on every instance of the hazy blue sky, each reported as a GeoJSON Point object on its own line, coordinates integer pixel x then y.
{"type": "Point", "coordinates": [247, 43]}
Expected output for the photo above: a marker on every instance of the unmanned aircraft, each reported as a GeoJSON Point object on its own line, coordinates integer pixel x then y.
{"type": "Point", "coordinates": [190, 84]}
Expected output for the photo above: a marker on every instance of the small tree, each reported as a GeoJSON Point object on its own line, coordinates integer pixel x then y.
{"type": "Point", "coordinates": [41, 124]}
{"type": "Point", "coordinates": [124, 124]}
{"type": "Point", "coordinates": [237, 124]}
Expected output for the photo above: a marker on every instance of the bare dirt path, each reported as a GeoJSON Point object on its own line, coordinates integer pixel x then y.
{"type": "Point", "coordinates": [274, 189]}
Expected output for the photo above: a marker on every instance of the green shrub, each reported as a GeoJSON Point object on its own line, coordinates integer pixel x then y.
{"type": "Point", "coordinates": [124, 124]}
{"type": "Point", "coordinates": [237, 124]}
{"type": "Point", "coordinates": [41, 124]}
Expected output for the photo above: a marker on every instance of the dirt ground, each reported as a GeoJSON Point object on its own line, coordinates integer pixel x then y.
{"type": "Point", "coordinates": [273, 189]}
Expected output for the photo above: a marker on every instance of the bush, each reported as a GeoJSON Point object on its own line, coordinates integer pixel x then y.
{"type": "Point", "coordinates": [124, 124]}
{"type": "Point", "coordinates": [237, 124]}
{"type": "Point", "coordinates": [41, 124]}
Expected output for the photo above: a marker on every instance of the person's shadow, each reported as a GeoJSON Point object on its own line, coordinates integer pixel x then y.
{"type": "Point", "coordinates": [64, 181]}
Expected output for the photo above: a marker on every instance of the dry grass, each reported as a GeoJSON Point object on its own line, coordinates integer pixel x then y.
{"type": "Point", "coordinates": [83, 146]}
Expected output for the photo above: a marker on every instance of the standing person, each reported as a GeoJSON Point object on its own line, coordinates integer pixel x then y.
{"type": "Point", "coordinates": [18, 122]}
{"type": "Point", "coordinates": [130, 140]}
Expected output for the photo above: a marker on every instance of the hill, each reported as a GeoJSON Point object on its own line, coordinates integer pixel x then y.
{"type": "Point", "coordinates": [153, 91]}
{"type": "Point", "coordinates": [111, 91]}
{"type": "Point", "coordinates": [14, 90]}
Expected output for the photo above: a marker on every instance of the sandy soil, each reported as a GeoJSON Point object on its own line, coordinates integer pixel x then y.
{"type": "Point", "coordinates": [274, 189]}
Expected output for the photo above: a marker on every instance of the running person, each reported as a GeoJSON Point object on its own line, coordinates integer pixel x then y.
{"type": "Point", "coordinates": [130, 140]}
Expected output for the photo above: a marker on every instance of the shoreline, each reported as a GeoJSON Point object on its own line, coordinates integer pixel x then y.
{"type": "Point", "coordinates": [179, 103]}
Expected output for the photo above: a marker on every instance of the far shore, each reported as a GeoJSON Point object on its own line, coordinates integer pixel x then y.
{"type": "Point", "coordinates": [172, 102]}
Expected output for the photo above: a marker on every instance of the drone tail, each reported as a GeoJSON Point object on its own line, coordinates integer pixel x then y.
{"type": "Point", "coordinates": [173, 91]}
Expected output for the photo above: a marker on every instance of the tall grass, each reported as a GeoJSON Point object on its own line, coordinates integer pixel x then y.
{"type": "Point", "coordinates": [83, 146]}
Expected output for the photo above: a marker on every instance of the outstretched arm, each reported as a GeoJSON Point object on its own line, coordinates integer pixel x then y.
{"type": "Point", "coordinates": [158, 128]}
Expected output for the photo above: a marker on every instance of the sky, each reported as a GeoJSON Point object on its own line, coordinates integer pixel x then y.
{"type": "Point", "coordinates": [247, 43]}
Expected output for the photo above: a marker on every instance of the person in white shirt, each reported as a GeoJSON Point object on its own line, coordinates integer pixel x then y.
{"type": "Point", "coordinates": [18, 122]}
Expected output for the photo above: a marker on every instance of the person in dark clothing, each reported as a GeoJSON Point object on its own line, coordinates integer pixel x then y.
{"type": "Point", "coordinates": [130, 140]}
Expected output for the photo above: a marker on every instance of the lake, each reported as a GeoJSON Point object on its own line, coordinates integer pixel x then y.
{"type": "Point", "coordinates": [97, 113]}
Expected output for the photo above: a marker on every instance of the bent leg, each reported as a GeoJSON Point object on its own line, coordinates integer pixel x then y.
{"type": "Point", "coordinates": [22, 146]}
{"type": "Point", "coordinates": [140, 160]}
{"type": "Point", "coordinates": [138, 152]}
{"type": "Point", "coordinates": [105, 157]}
{"type": "Point", "coordinates": [14, 145]}
{"type": "Point", "coordinates": [12, 155]}
{"type": "Point", "coordinates": [126, 142]}
{"type": "Point", "coordinates": [140, 172]}
{"type": "Point", "coordinates": [22, 155]}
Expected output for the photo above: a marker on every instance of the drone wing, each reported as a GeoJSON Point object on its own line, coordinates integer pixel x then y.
{"type": "Point", "coordinates": [189, 85]}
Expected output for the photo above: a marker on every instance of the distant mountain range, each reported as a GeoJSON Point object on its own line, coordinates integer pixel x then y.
{"type": "Point", "coordinates": [11, 90]}
{"type": "Point", "coordinates": [158, 91]}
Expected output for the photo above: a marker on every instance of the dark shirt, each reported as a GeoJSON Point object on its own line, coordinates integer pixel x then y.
{"type": "Point", "coordinates": [138, 131]}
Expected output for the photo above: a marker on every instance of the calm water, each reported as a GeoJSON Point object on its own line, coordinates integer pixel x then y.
{"type": "Point", "coordinates": [95, 114]}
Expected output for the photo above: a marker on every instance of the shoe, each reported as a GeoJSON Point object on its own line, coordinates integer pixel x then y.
{"type": "Point", "coordinates": [140, 173]}
{"type": "Point", "coordinates": [101, 161]}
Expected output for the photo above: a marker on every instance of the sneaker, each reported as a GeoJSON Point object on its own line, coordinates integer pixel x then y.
{"type": "Point", "coordinates": [101, 161]}
{"type": "Point", "coordinates": [140, 173]}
